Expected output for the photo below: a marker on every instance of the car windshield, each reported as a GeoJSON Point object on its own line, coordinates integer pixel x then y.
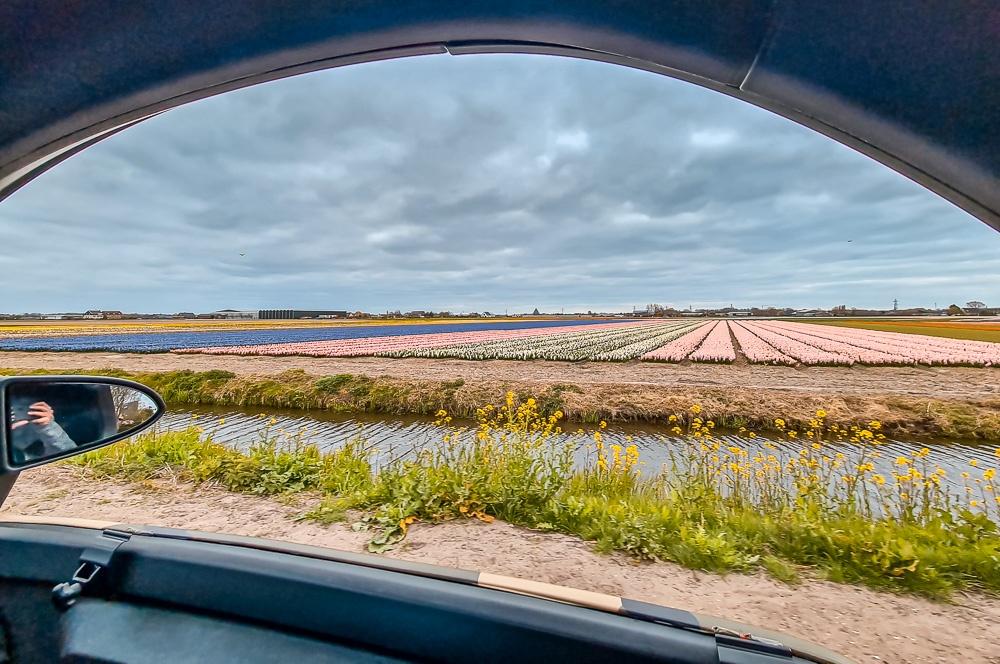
{"type": "Point", "coordinates": [543, 317]}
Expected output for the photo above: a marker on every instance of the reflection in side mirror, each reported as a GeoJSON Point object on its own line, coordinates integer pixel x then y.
{"type": "Point", "coordinates": [52, 417]}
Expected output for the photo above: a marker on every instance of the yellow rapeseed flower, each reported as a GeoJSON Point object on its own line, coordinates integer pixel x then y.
{"type": "Point", "coordinates": [672, 418]}
{"type": "Point", "coordinates": [989, 473]}
{"type": "Point", "coordinates": [902, 461]}
{"type": "Point", "coordinates": [696, 409]}
{"type": "Point", "coordinates": [974, 463]}
{"type": "Point", "coordinates": [875, 424]}
{"type": "Point", "coordinates": [780, 423]}
{"type": "Point", "coordinates": [878, 479]}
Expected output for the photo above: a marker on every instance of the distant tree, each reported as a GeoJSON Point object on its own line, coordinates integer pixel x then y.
{"type": "Point", "coordinates": [955, 310]}
{"type": "Point", "coordinates": [975, 305]}
{"type": "Point", "coordinates": [535, 312]}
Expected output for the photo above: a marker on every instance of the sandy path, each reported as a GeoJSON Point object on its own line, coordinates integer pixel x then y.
{"type": "Point", "coordinates": [942, 382]}
{"type": "Point", "coordinates": [860, 623]}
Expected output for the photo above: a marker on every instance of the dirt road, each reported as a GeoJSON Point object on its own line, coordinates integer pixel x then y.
{"type": "Point", "coordinates": [862, 624]}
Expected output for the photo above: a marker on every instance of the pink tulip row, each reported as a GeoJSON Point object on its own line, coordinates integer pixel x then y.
{"type": "Point", "coordinates": [794, 348]}
{"type": "Point", "coordinates": [364, 346]}
{"type": "Point", "coordinates": [717, 347]}
{"type": "Point", "coordinates": [850, 353]}
{"type": "Point", "coordinates": [904, 348]}
{"type": "Point", "coordinates": [756, 349]}
{"type": "Point", "coordinates": [679, 349]}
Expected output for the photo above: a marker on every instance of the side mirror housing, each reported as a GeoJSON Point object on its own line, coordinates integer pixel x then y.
{"type": "Point", "coordinates": [47, 418]}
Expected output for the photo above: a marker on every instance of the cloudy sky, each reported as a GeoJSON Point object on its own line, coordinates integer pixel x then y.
{"type": "Point", "coordinates": [481, 182]}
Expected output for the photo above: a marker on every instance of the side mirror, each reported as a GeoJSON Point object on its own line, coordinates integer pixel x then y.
{"type": "Point", "coordinates": [47, 418]}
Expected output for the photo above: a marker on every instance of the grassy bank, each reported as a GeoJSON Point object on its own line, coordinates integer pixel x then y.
{"type": "Point", "coordinates": [715, 507]}
{"type": "Point", "coordinates": [729, 407]}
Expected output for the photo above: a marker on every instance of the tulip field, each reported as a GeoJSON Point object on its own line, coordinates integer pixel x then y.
{"type": "Point", "coordinates": [758, 341]}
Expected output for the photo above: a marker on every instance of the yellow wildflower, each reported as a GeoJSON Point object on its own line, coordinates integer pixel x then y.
{"type": "Point", "coordinates": [696, 409]}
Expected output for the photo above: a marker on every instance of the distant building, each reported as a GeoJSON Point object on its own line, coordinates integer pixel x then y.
{"type": "Point", "coordinates": [97, 314]}
{"type": "Point", "coordinates": [739, 313]}
{"type": "Point", "coordinates": [295, 314]}
{"type": "Point", "coordinates": [234, 314]}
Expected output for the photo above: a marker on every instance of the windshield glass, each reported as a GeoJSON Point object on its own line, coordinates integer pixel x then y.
{"type": "Point", "coordinates": [541, 317]}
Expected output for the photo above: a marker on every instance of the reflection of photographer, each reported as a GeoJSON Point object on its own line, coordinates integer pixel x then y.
{"type": "Point", "coordinates": [35, 434]}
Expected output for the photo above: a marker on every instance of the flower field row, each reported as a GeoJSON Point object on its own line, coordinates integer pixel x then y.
{"type": "Point", "coordinates": [620, 343]}
{"type": "Point", "coordinates": [781, 342]}
{"type": "Point", "coordinates": [905, 348]}
{"type": "Point", "coordinates": [383, 346]}
{"type": "Point", "coordinates": [279, 333]}
{"type": "Point", "coordinates": [821, 344]}
{"type": "Point", "coordinates": [760, 342]}
{"type": "Point", "coordinates": [717, 346]}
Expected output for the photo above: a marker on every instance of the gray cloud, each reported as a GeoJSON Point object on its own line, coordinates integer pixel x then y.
{"type": "Point", "coordinates": [482, 182]}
